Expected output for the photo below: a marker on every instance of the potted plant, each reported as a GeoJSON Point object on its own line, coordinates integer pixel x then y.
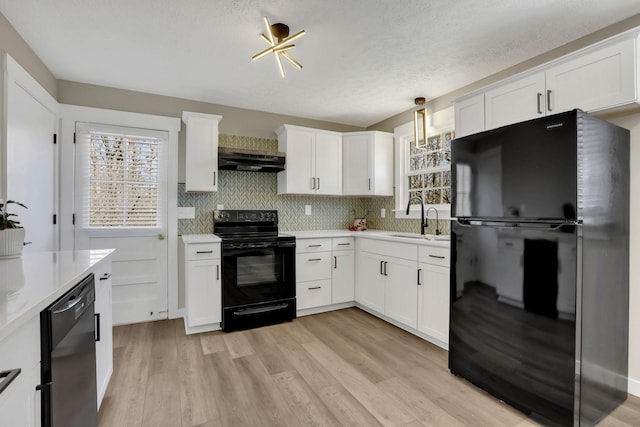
{"type": "Point", "coordinates": [11, 233]}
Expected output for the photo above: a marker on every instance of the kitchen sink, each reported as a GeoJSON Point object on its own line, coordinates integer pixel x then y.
{"type": "Point", "coordinates": [440, 237]}
{"type": "Point", "coordinates": [406, 236]}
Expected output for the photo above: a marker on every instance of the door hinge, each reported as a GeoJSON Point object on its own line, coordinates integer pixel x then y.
{"type": "Point", "coordinates": [55, 138]}
{"type": "Point", "coordinates": [73, 219]}
{"type": "Point", "coordinates": [55, 219]}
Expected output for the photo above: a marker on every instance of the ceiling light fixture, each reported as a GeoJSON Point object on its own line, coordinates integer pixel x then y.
{"type": "Point", "coordinates": [279, 48]}
{"type": "Point", "coordinates": [420, 123]}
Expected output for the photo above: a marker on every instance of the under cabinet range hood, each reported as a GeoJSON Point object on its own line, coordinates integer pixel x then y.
{"type": "Point", "coordinates": [250, 160]}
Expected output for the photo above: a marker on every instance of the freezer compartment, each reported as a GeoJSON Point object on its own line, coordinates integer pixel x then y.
{"type": "Point", "coordinates": [513, 314]}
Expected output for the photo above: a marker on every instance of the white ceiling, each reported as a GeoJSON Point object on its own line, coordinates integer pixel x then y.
{"type": "Point", "coordinates": [364, 60]}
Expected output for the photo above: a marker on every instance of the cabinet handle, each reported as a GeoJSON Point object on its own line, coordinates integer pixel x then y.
{"type": "Point", "coordinates": [335, 262]}
{"type": "Point", "coordinates": [314, 259]}
{"type": "Point", "coordinates": [105, 276]}
{"type": "Point", "coordinates": [314, 288]}
{"type": "Point", "coordinates": [7, 377]}
{"type": "Point", "coordinates": [217, 272]}
{"type": "Point", "coordinates": [385, 268]}
{"type": "Point", "coordinates": [436, 256]}
{"type": "Point", "coordinates": [97, 317]}
{"type": "Point", "coordinates": [204, 252]}
{"type": "Point", "coordinates": [549, 100]}
{"type": "Point", "coordinates": [369, 184]}
{"type": "Point", "coordinates": [419, 270]}
{"type": "Point", "coordinates": [539, 103]}
{"type": "Point", "coordinates": [313, 246]}
{"type": "Point", "coordinates": [214, 178]}
{"type": "Point", "coordinates": [344, 244]}
{"type": "Point", "coordinates": [318, 184]}
{"type": "Point", "coordinates": [381, 262]}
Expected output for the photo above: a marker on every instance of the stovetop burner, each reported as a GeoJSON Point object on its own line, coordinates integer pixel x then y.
{"type": "Point", "coordinates": [246, 224]}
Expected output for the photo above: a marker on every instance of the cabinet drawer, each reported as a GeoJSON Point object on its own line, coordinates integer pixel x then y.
{"type": "Point", "coordinates": [343, 243]}
{"type": "Point", "coordinates": [313, 294]}
{"type": "Point", "coordinates": [313, 266]}
{"type": "Point", "coordinates": [312, 245]}
{"type": "Point", "coordinates": [434, 255]}
{"type": "Point", "coordinates": [203, 251]}
{"type": "Point", "coordinates": [391, 249]}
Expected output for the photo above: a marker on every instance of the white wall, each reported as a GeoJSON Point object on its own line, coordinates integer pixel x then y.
{"type": "Point", "coordinates": [632, 123]}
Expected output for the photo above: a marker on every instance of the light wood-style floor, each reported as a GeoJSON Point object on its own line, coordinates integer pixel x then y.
{"type": "Point", "coordinates": [342, 368]}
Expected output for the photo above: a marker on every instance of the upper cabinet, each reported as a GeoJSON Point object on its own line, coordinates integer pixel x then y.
{"type": "Point", "coordinates": [600, 77]}
{"type": "Point", "coordinates": [469, 115]}
{"type": "Point", "coordinates": [201, 155]}
{"type": "Point", "coordinates": [367, 168]}
{"type": "Point", "coordinates": [314, 161]}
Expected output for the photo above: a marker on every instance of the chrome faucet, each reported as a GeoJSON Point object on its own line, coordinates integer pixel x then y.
{"type": "Point", "coordinates": [423, 225]}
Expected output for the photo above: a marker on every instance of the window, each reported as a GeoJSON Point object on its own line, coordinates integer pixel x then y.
{"type": "Point", "coordinates": [425, 172]}
{"type": "Point", "coordinates": [122, 180]}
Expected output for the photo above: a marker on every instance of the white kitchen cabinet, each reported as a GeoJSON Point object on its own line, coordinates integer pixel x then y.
{"type": "Point", "coordinates": [401, 290]}
{"type": "Point", "coordinates": [20, 402]}
{"type": "Point", "coordinates": [203, 292]}
{"type": "Point", "coordinates": [313, 273]}
{"type": "Point", "coordinates": [434, 293]}
{"type": "Point", "coordinates": [367, 168]}
{"type": "Point", "coordinates": [104, 327]}
{"type": "Point", "coordinates": [515, 101]}
{"type": "Point", "coordinates": [469, 115]}
{"type": "Point", "coordinates": [201, 151]}
{"type": "Point", "coordinates": [387, 279]}
{"type": "Point", "coordinates": [314, 161]}
{"type": "Point", "coordinates": [370, 281]}
{"type": "Point", "coordinates": [595, 80]}
{"type": "Point", "coordinates": [343, 272]}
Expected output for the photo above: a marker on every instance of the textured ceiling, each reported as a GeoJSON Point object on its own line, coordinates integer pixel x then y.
{"type": "Point", "coordinates": [364, 60]}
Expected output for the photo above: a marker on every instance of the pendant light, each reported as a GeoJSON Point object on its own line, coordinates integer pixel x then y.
{"type": "Point", "coordinates": [420, 123]}
{"type": "Point", "coordinates": [280, 47]}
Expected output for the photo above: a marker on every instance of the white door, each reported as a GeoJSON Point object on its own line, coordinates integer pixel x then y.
{"type": "Point", "coordinates": [31, 158]}
{"type": "Point", "coordinates": [370, 284]}
{"type": "Point", "coordinates": [401, 291]}
{"type": "Point", "coordinates": [121, 203]}
{"type": "Point", "coordinates": [328, 154]}
{"type": "Point", "coordinates": [343, 276]}
{"type": "Point", "coordinates": [356, 169]}
{"type": "Point", "coordinates": [433, 301]}
{"type": "Point", "coordinates": [516, 101]}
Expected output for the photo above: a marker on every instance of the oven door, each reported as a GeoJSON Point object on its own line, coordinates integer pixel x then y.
{"type": "Point", "coordinates": [258, 272]}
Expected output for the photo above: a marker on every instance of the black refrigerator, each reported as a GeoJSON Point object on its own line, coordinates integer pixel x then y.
{"type": "Point", "coordinates": [540, 266]}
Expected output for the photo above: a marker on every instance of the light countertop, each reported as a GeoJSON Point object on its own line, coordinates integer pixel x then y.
{"type": "Point", "coordinates": [392, 236]}
{"type": "Point", "coordinates": [200, 238]}
{"type": "Point", "coordinates": [31, 282]}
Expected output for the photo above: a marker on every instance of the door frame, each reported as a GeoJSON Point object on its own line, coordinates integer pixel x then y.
{"type": "Point", "coordinates": [71, 114]}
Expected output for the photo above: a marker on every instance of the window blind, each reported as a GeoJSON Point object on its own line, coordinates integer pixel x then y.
{"type": "Point", "coordinates": [122, 177]}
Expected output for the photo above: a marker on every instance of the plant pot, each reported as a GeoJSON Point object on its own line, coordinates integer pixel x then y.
{"type": "Point", "coordinates": [11, 242]}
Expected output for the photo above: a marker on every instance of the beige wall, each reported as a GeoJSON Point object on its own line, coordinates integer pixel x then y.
{"type": "Point", "coordinates": [444, 101]}
{"type": "Point", "coordinates": [14, 45]}
{"type": "Point", "coordinates": [235, 121]}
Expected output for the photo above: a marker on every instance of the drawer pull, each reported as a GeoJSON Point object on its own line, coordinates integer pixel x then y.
{"type": "Point", "coordinates": [314, 288]}
{"type": "Point", "coordinates": [344, 244]}
{"type": "Point", "coordinates": [204, 252]}
{"type": "Point", "coordinates": [385, 268]}
{"type": "Point", "coordinates": [436, 256]}
{"type": "Point", "coordinates": [314, 246]}
{"type": "Point", "coordinates": [7, 376]}
{"type": "Point", "coordinates": [217, 272]}
{"type": "Point", "coordinates": [105, 276]}
{"type": "Point", "coordinates": [335, 262]}
{"type": "Point", "coordinates": [419, 270]}
{"type": "Point", "coordinates": [314, 259]}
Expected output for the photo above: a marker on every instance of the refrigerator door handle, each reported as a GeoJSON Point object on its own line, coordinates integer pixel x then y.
{"type": "Point", "coordinates": [507, 224]}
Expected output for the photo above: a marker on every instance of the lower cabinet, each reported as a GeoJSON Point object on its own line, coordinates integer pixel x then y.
{"type": "Point", "coordinates": [401, 291]}
{"type": "Point", "coordinates": [104, 327]}
{"type": "Point", "coordinates": [370, 281]}
{"type": "Point", "coordinates": [313, 273]}
{"type": "Point", "coordinates": [203, 286]}
{"type": "Point", "coordinates": [434, 292]}
{"type": "Point", "coordinates": [19, 402]}
{"type": "Point", "coordinates": [343, 272]}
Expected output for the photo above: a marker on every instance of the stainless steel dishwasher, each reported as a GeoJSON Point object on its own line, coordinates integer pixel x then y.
{"type": "Point", "coordinates": [68, 363]}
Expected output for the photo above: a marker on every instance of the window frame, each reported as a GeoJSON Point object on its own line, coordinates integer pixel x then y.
{"type": "Point", "coordinates": [439, 122]}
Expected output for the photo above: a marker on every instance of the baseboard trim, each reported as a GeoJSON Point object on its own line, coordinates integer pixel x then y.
{"type": "Point", "coordinates": [324, 308]}
{"type": "Point", "coordinates": [634, 387]}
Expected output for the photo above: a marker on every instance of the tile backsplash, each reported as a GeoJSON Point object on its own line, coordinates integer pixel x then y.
{"type": "Point", "coordinates": [258, 190]}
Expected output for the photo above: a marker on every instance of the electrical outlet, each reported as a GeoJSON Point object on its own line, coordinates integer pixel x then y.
{"type": "Point", "coordinates": [383, 212]}
{"type": "Point", "coordinates": [219, 207]}
{"type": "Point", "coordinates": [307, 209]}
